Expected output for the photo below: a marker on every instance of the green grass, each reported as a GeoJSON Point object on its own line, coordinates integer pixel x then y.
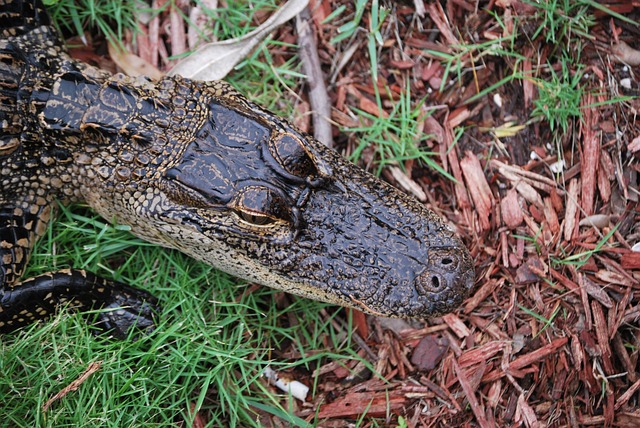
{"type": "Point", "coordinates": [112, 18]}
{"type": "Point", "coordinates": [560, 24]}
{"type": "Point", "coordinates": [559, 96]}
{"type": "Point", "coordinates": [396, 138]}
{"type": "Point", "coordinates": [109, 17]}
{"type": "Point", "coordinates": [578, 260]}
{"type": "Point", "coordinates": [214, 338]}
{"type": "Point", "coordinates": [562, 21]}
{"type": "Point", "coordinates": [351, 25]}
{"type": "Point", "coordinates": [546, 322]}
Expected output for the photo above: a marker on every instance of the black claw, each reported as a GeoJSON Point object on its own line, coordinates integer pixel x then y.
{"type": "Point", "coordinates": [128, 310]}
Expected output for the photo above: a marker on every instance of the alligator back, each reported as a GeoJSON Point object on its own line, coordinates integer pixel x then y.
{"type": "Point", "coordinates": [19, 16]}
{"type": "Point", "coordinates": [16, 18]}
{"type": "Point", "coordinates": [197, 167]}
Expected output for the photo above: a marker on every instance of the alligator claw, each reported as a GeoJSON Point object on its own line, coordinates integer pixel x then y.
{"type": "Point", "coordinates": [128, 312]}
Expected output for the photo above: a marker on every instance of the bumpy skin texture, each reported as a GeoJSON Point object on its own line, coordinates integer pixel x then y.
{"type": "Point", "coordinates": [197, 167]}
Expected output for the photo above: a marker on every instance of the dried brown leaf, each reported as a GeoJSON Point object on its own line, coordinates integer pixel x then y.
{"type": "Point", "coordinates": [596, 220]}
{"type": "Point", "coordinates": [214, 61]}
{"type": "Point", "coordinates": [131, 64]}
{"type": "Point", "coordinates": [626, 54]}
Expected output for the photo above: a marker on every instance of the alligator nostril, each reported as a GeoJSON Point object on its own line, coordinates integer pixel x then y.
{"type": "Point", "coordinates": [435, 282]}
{"type": "Point", "coordinates": [444, 260]}
{"type": "Point", "coordinates": [430, 282]}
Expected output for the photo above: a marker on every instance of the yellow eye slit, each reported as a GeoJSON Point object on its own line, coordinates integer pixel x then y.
{"type": "Point", "coordinates": [256, 219]}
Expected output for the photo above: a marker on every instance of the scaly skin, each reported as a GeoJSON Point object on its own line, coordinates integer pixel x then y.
{"type": "Point", "coordinates": [197, 167]}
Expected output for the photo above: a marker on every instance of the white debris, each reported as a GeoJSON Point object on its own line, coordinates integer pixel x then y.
{"type": "Point", "coordinates": [296, 389]}
{"type": "Point", "coordinates": [625, 83]}
{"type": "Point", "coordinates": [557, 167]}
{"type": "Point", "coordinates": [497, 98]}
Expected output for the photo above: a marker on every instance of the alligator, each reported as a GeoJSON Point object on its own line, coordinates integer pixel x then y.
{"type": "Point", "coordinates": [195, 166]}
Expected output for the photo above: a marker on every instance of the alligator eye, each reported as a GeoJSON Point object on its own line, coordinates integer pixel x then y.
{"type": "Point", "coordinates": [261, 206]}
{"type": "Point", "coordinates": [256, 219]}
{"type": "Point", "coordinates": [289, 151]}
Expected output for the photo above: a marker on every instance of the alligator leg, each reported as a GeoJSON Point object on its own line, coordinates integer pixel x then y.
{"type": "Point", "coordinates": [123, 307]}
{"type": "Point", "coordinates": [23, 302]}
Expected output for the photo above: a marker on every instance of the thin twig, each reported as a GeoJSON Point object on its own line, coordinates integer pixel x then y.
{"type": "Point", "coordinates": [318, 97]}
{"type": "Point", "coordinates": [91, 369]}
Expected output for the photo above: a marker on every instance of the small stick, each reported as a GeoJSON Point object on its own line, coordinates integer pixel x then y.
{"type": "Point", "coordinates": [318, 97]}
{"type": "Point", "coordinates": [93, 367]}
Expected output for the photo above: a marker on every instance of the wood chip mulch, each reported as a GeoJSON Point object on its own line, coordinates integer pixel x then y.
{"type": "Point", "coordinates": [550, 335]}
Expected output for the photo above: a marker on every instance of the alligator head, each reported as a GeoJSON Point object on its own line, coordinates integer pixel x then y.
{"type": "Point", "coordinates": [233, 185]}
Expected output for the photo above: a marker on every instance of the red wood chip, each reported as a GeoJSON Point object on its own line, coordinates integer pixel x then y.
{"type": "Point", "coordinates": [510, 209]}
{"type": "Point", "coordinates": [630, 260]}
{"type": "Point", "coordinates": [531, 271]}
{"type": "Point", "coordinates": [371, 107]}
{"type": "Point", "coordinates": [478, 188]}
{"type": "Point", "coordinates": [590, 156]}
{"type": "Point", "coordinates": [551, 216]}
{"type": "Point", "coordinates": [429, 352]}
{"type": "Point", "coordinates": [353, 405]}
{"type": "Point", "coordinates": [481, 353]}
{"type": "Point", "coordinates": [402, 65]}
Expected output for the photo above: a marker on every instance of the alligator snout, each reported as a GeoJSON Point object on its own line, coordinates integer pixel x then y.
{"type": "Point", "coordinates": [447, 278]}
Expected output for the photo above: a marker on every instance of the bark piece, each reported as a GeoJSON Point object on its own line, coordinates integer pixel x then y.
{"type": "Point", "coordinates": [429, 352]}
{"type": "Point", "coordinates": [511, 210]}
{"type": "Point", "coordinates": [479, 188]}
